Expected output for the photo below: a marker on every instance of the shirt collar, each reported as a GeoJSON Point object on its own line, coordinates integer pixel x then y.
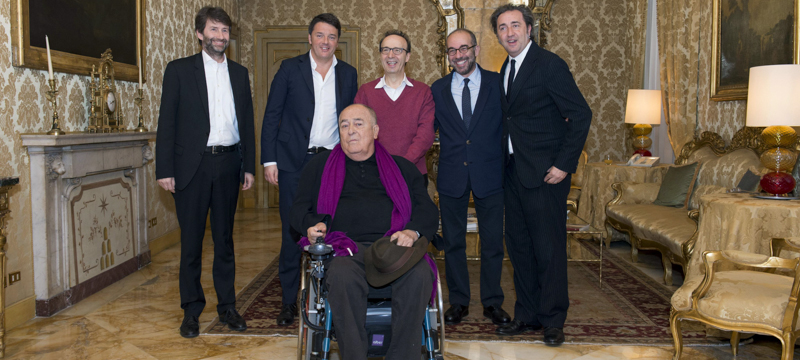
{"type": "Point", "coordinates": [521, 57]}
{"type": "Point", "coordinates": [208, 59]}
{"type": "Point", "coordinates": [314, 63]}
{"type": "Point", "coordinates": [382, 83]}
{"type": "Point", "coordinates": [474, 78]}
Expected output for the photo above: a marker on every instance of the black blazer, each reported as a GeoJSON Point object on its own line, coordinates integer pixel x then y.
{"type": "Point", "coordinates": [475, 153]}
{"type": "Point", "coordinates": [183, 121]}
{"type": "Point", "coordinates": [543, 95]}
{"type": "Point", "coordinates": [290, 110]}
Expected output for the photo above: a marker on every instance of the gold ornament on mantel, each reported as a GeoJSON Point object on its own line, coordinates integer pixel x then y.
{"type": "Point", "coordinates": [104, 114]}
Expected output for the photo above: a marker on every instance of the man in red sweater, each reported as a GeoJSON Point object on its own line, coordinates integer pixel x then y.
{"type": "Point", "coordinates": [404, 106]}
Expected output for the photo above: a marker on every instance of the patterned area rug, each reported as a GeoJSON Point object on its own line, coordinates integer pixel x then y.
{"type": "Point", "coordinates": [629, 308]}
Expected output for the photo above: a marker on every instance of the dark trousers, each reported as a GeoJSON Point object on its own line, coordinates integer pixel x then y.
{"type": "Point", "coordinates": [214, 186]}
{"type": "Point", "coordinates": [536, 237]}
{"type": "Point", "coordinates": [454, 230]}
{"type": "Point", "coordinates": [289, 258]}
{"type": "Point", "coordinates": [347, 294]}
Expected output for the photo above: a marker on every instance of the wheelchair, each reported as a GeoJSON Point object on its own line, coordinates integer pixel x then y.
{"type": "Point", "coordinates": [316, 330]}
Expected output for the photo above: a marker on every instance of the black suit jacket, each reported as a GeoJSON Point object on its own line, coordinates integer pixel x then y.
{"type": "Point", "coordinates": [542, 96]}
{"type": "Point", "coordinates": [290, 110]}
{"type": "Point", "coordinates": [183, 120]}
{"type": "Point", "coordinates": [475, 153]}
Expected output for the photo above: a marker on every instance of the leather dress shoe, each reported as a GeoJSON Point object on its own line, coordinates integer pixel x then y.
{"type": "Point", "coordinates": [496, 314]}
{"type": "Point", "coordinates": [553, 336]}
{"type": "Point", "coordinates": [286, 317]}
{"type": "Point", "coordinates": [233, 319]}
{"type": "Point", "coordinates": [190, 327]}
{"type": "Point", "coordinates": [516, 327]}
{"type": "Point", "coordinates": [455, 313]}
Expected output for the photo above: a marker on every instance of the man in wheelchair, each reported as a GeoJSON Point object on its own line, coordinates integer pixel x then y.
{"type": "Point", "coordinates": [358, 195]}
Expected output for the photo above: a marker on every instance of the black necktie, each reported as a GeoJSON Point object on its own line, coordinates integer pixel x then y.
{"type": "Point", "coordinates": [466, 103]}
{"type": "Point", "coordinates": [511, 74]}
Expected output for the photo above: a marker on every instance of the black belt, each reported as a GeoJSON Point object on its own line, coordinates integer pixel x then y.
{"type": "Point", "coordinates": [219, 149]}
{"type": "Point", "coordinates": [315, 150]}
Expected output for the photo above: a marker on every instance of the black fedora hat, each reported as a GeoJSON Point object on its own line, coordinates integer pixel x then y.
{"type": "Point", "coordinates": [385, 261]}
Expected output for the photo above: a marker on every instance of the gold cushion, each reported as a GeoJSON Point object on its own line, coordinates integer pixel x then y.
{"type": "Point", "coordinates": [747, 296]}
{"type": "Point", "coordinates": [668, 226]}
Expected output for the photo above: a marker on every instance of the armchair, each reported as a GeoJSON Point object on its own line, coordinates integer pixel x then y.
{"type": "Point", "coordinates": [577, 183]}
{"type": "Point", "coordinates": [745, 300]}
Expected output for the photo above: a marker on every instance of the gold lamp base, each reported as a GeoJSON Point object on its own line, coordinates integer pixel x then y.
{"type": "Point", "coordinates": [641, 141]}
{"type": "Point", "coordinates": [780, 159]}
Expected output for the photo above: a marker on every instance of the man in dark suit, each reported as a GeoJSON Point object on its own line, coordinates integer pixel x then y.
{"type": "Point", "coordinates": [470, 124]}
{"type": "Point", "coordinates": [204, 148]}
{"type": "Point", "coordinates": [301, 120]}
{"type": "Point", "coordinates": [546, 121]}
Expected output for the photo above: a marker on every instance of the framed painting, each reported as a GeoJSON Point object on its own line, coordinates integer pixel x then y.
{"type": "Point", "coordinates": [748, 33]}
{"type": "Point", "coordinates": [79, 33]}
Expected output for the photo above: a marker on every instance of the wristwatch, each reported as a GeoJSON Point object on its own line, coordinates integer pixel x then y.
{"type": "Point", "coordinates": [418, 236]}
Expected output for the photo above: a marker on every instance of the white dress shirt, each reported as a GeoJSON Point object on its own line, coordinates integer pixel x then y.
{"type": "Point", "coordinates": [325, 125]}
{"type": "Point", "coordinates": [519, 59]}
{"type": "Point", "coordinates": [224, 127]}
{"type": "Point", "coordinates": [394, 93]}
{"type": "Point", "coordinates": [457, 89]}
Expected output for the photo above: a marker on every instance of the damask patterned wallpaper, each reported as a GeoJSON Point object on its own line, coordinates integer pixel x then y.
{"type": "Point", "coordinates": [24, 109]}
{"type": "Point", "coordinates": [417, 18]}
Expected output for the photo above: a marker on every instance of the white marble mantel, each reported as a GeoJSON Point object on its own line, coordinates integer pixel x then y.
{"type": "Point", "coordinates": [89, 212]}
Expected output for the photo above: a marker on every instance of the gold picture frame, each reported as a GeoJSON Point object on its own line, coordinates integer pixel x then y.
{"type": "Point", "coordinates": [734, 41]}
{"type": "Point", "coordinates": [35, 57]}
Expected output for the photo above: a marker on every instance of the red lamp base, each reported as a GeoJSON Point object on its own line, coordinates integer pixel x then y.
{"type": "Point", "coordinates": [643, 152]}
{"type": "Point", "coordinates": [777, 183]}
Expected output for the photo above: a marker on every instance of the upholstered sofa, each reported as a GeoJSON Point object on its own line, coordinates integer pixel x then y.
{"type": "Point", "coordinates": [672, 230]}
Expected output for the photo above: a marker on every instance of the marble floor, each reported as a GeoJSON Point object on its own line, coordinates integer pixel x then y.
{"type": "Point", "coordinates": [139, 316]}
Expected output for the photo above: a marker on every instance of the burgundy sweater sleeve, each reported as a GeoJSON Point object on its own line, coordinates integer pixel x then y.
{"type": "Point", "coordinates": [423, 140]}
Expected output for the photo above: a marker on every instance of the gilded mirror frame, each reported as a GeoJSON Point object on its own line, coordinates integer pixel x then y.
{"type": "Point", "coordinates": [25, 55]}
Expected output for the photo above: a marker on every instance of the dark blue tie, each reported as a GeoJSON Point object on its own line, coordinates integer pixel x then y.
{"type": "Point", "coordinates": [511, 74]}
{"type": "Point", "coordinates": [466, 103]}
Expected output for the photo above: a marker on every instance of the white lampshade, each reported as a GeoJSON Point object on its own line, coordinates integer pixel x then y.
{"type": "Point", "coordinates": [773, 96]}
{"type": "Point", "coordinates": [643, 107]}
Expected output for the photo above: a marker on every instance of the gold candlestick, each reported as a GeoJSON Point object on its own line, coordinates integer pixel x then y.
{"type": "Point", "coordinates": [138, 99]}
{"type": "Point", "coordinates": [52, 96]}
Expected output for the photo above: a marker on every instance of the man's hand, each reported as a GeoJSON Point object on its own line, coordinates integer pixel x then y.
{"type": "Point", "coordinates": [316, 231]}
{"type": "Point", "coordinates": [554, 175]}
{"type": "Point", "coordinates": [271, 174]}
{"type": "Point", "coordinates": [405, 238]}
{"type": "Point", "coordinates": [248, 181]}
{"type": "Point", "coordinates": [167, 184]}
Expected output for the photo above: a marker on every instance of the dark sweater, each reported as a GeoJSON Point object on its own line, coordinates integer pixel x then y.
{"type": "Point", "coordinates": [364, 211]}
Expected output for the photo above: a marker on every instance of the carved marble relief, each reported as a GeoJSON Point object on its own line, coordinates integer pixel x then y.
{"type": "Point", "coordinates": [102, 227]}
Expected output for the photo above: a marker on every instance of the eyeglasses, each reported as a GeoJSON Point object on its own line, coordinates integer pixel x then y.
{"type": "Point", "coordinates": [396, 51]}
{"type": "Point", "coordinates": [463, 49]}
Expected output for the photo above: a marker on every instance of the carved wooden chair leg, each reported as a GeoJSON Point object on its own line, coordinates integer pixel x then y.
{"type": "Point", "coordinates": [667, 269]}
{"type": "Point", "coordinates": [675, 327]}
{"type": "Point", "coordinates": [735, 342]}
{"type": "Point", "coordinates": [788, 346]}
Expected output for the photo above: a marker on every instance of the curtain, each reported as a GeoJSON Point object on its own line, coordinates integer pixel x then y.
{"type": "Point", "coordinates": [678, 41]}
{"type": "Point", "coordinates": [635, 49]}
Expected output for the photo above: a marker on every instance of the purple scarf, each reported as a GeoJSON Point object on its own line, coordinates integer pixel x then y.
{"type": "Point", "coordinates": [331, 189]}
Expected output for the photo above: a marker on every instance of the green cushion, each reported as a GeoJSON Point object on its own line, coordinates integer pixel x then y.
{"type": "Point", "coordinates": [677, 185]}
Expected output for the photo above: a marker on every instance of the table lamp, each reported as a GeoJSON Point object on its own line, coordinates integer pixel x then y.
{"type": "Point", "coordinates": [643, 109]}
{"type": "Point", "coordinates": [773, 100]}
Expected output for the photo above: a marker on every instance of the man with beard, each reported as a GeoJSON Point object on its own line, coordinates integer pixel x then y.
{"type": "Point", "coordinates": [470, 124]}
{"type": "Point", "coordinates": [404, 106]}
{"type": "Point", "coordinates": [204, 148]}
{"type": "Point", "coordinates": [542, 149]}
{"type": "Point", "coordinates": [307, 95]}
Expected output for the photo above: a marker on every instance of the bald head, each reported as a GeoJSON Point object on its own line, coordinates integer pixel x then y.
{"type": "Point", "coordinates": [358, 129]}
